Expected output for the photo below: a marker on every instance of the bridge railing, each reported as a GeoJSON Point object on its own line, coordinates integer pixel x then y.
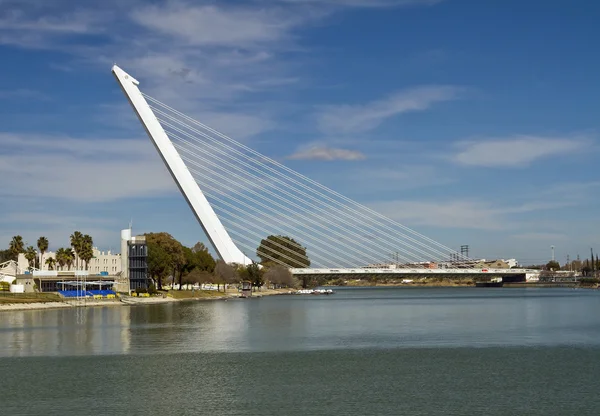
{"type": "Point", "coordinates": [357, 271]}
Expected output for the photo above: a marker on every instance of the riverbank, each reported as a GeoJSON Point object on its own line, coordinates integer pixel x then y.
{"type": "Point", "coordinates": [53, 301]}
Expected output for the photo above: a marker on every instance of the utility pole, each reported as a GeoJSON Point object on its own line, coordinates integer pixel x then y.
{"type": "Point", "coordinates": [552, 248]}
{"type": "Point", "coordinates": [569, 262]}
{"type": "Point", "coordinates": [593, 264]}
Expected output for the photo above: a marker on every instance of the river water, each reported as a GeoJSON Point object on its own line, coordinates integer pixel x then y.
{"type": "Point", "coordinates": [375, 351]}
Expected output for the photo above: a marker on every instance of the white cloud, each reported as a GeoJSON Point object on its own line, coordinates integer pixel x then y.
{"type": "Point", "coordinates": [367, 3]}
{"type": "Point", "coordinates": [326, 153]}
{"type": "Point", "coordinates": [82, 170]}
{"type": "Point", "coordinates": [74, 23]}
{"type": "Point", "coordinates": [516, 151]}
{"type": "Point", "coordinates": [360, 118]}
{"type": "Point", "coordinates": [468, 213]}
{"type": "Point", "coordinates": [211, 25]}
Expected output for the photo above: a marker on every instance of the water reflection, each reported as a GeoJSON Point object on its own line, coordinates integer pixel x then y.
{"type": "Point", "coordinates": [73, 331]}
{"type": "Point", "coordinates": [350, 319]}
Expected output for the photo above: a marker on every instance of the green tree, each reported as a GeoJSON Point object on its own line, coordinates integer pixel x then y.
{"type": "Point", "coordinates": [69, 258]}
{"type": "Point", "coordinates": [60, 258]}
{"type": "Point", "coordinates": [158, 264]}
{"type": "Point", "coordinates": [30, 255]}
{"type": "Point", "coordinates": [42, 245]}
{"type": "Point", "coordinates": [5, 255]}
{"type": "Point", "coordinates": [165, 257]}
{"type": "Point", "coordinates": [255, 275]}
{"type": "Point", "coordinates": [50, 262]}
{"type": "Point", "coordinates": [203, 260]}
{"type": "Point", "coordinates": [16, 246]}
{"type": "Point", "coordinates": [76, 244]}
{"type": "Point", "coordinates": [282, 250]}
{"type": "Point", "coordinates": [187, 265]}
{"type": "Point", "coordinates": [553, 265]}
{"type": "Point", "coordinates": [87, 250]}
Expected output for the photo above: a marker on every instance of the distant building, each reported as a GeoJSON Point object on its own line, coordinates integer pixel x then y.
{"type": "Point", "coordinates": [138, 263]}
{"type": "Point", "coordinates": [134, 261]}
{"type": "Point", "coordinates": [128, 270]}
{"type": "Point", "coordinates": [493, 264]}
{"type": "Point", "coordinates": [107, 262]}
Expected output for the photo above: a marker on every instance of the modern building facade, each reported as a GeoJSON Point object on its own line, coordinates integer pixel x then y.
{"type": "Point", "coordinates": [134, 260]}
{"type": "Point", "coordinates": [137, 252]}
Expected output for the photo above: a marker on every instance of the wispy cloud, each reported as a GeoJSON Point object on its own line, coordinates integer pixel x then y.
{"type": "Point", "coordinates": [367, 3]}
{"type": "Point", "coordinates": [462, 213]}
{"type": "Point", "coordinates": [82, 170]}
{"type": "Point", "coordinates": [73, 23]}
{"type": "Point", "coordinates": [517, 151]}
{"type": "Point", "coordinates": [326, 153]}
{"type": "Point", "coordinates": [211, 25]}
{"type": "Point", "coordinates": [361, 118]}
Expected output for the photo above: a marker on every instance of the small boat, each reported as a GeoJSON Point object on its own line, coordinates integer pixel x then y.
{"type": "Point", "coordinates": [495, 282]}
{"type": "Point", "coordinates": [315, 292]}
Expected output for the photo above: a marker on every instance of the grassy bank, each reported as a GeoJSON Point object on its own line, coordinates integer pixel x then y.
{"type": "Point", "coordinates": [197, 294]}
{"type": "Point", "coordinates": [12, 298]}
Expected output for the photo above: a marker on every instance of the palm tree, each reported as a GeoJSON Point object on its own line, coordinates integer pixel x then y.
{"type": "Point", "coordinates": [87, 250]}
{"type": "Point", "coordinates": [42, 245]}
{"type": "Point", "coordinates": [16, 246]}
{"type": "Point", "coordinates": [69, 257]}
{"type": "Point", "coordinates": [61, 257]}
{"type": "Point", "coordinates": [76, 243]}
{"type": "Point", "coordinates": [50, 262]}
{"type": "Point", "coordinates": [30, 255]}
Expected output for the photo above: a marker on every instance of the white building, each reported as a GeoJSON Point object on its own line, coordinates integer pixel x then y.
{"type": "Point", "coordinates": [103, 261]}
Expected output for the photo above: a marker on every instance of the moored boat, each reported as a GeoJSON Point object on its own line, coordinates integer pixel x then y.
{"type": "Point", "coordinates": [495, 282]}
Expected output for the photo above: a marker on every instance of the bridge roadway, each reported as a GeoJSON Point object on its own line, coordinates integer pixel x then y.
{"type": "Point", "coordinates": [358, 272]}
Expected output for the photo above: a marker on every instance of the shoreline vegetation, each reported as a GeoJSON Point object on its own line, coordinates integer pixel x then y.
{"type": "Point", "coordinates": [53, 301]}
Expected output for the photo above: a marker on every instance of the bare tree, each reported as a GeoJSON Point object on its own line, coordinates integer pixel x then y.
{"type": "Point", "coordinates": [224, 274]}
{"type": "Point", "coordinates": [280, 276]}
{"type": "Point", "coordinates": [197, 276]}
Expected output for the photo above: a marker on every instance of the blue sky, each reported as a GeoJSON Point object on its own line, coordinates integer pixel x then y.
{"type": "Point", "coordinates": [472, 122]}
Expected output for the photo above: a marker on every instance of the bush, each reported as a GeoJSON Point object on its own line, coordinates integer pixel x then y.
{"type": "Point", "coordinates": [141, 290]}
{"type": "Point", "coordinates": [152, 289]}
{"type": "Point", "coordinates": [589, 281]}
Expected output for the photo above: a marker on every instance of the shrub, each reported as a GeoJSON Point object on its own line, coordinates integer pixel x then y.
{"type": "Point", "coordinates": [152, 289]}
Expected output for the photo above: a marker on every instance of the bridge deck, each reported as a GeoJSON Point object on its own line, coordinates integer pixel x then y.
{"type": "Point", "coordinates": [410, 272]}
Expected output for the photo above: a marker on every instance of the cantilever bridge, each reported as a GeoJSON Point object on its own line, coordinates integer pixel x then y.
{"type": "Point", "coordinates": [240, 196]}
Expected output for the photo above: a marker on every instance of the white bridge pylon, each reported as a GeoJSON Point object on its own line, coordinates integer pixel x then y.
{"type": "Point", "coordinates": [240, 196]}
{"type": "Point", "coordinates": [209, 221]}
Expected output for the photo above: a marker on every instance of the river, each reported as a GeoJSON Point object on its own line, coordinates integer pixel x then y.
{"type": "Point", "coordinates": [361, 351]}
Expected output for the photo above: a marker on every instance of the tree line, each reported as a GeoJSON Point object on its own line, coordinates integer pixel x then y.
{"type": "Point", "coordinates": [169, 261]}
{"type": "Point", "coordinates": [587, 267]}
{"type": "Point", "coordinates": [78, 254]}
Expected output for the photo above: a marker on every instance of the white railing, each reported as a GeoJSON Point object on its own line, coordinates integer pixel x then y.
{"type": "Point", "coordinates": [411, 271]}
